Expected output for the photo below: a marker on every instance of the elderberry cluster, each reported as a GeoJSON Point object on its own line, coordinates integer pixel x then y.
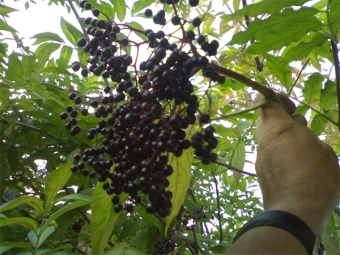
{"type": "Point", "coordinates": [164, 246]}
{"type": "Point", "coordinates": [143, 114]}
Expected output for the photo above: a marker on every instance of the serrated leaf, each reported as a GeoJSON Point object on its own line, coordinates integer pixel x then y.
{"type": "Point", "coordinates": [71, 32]}
{"type": "Point", "coordinates": [140, 5]}
{"type": "Point", "coordinates": [318, 124]}
{"type": "Point", "coordinates": [104, 218]}
{"type": "Point", "coordinates": [180, 179]}
{"type": "Point", "coordinates": [334, 16]}
{"type": "Point", "coordinates": [312, 88]}
{"type": "Point", "coordinates": [44, 52]}
{"type": "Point", "coordinates": [303, 49]}
{"type": "Point", "coordinates": [34, 202]}
{"type": "Point", "coordinates": [280, 69]}
{"type": "Point", "coordinates": [23, 221]}
{"type": "Point", "coordinates": [45, 37]}
{"type": "Point", "coordinates": [328, 95]}
{"type": "Point", "coordinates": [54, 182]}
{"type": "Point", "coordinates": [120, 8]}
{"type": "Point", "coordinates": [278, 30]}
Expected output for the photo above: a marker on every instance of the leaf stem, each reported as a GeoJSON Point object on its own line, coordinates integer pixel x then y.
{"type": "Point", "coordinates": [236, 113]}
{"type": "Point", "coordinates": [230, 167]}
{"type": "Point", "coordinates": [298, 77]}
{"type": "Point", "coordinates": [218, 209]}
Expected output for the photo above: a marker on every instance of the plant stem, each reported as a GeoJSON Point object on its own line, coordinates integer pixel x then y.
{"type": "Point", "coordinates": [78, 18]}
{"type": "Point", "coordinates": [298, 77]}
{"type": "Point", "coordinates": [267, 92]}
{"type": "Point", "coordinates": [236, 113]}
{"type": "Point", "coordinates": [230, 167]}
{"type": "Point", "coordinates": [218, 209]}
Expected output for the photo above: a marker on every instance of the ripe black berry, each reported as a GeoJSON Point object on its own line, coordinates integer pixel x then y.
{"type": "Point", "coordinates": [148, 12]}
{"type": "Point", "coordinates": [193, 3]}
{"type": "Point", "coordinates": [75, 66]}
{"type": "Point", "coordinates": [204, 118]}
{"type": "Point", "coordinates": [87, 6]}
{"type": "Point", "coordinates": [77, 100]}
{"type": "Point", "coordinates": [63, 115]}
{"type": "Point", "coordinates": [175, 20]}
{"type": "Point", "coordinates": [196, 22]}
{"type": "Point", "coordinates": [95, 12]}
{"type": "Point", "coordinates": [84, 72]}
{"type": "Point", "coordinates": [72, 95]}
{"type": "Point", "coordinates": [190, 35]}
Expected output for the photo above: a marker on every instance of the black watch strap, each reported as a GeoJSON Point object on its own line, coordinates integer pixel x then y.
{"type": "Point", "coordinates": [288, 222]}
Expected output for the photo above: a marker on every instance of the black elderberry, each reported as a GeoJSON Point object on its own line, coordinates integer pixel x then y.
{"type": "Point", "coordinates": [84, 72]}
{"type": "Point", "coordinates": [94, 104]}
{"type": "Point", "coordinates": [101, 24]}
{"type": "Point", "coordinates": [148, 13]}
{"type": "Point", "coordinates": [193, 3]}
{"type": "Point", "coordinates": [204, 118]}
{"type": "Point", "coordinates": [75, 66]}
{"type": "Point", "coordinates": [175, 20]}
{"type": "Point", "coordinates": [68, 125]}
{"type": "Point", "coordinates": [63, 115]}
{"type": "Point", "coordinates": [73, 121]}
{"type": "Point", "coordinates": [151, 36]}
{"type": "Point", "coordinates": [196, 22]}
{"type": "Point", "coordinates": [82, 3]}
{"type": "Point", "coordinates": [200, 39]}
{"type": "Point", "coordinates": [77, 100]}
{"type": "Point", "coordinates": [221, 80]}
{"type": "Point", "coordinates": [77, 157]}
{"type": "Point", "coordinates": [124, 42]}
{"type": "Point", "coordinates": [95, 12]}
{"type": "Point", "coordinates": [72, 96]}
{"type": "Point", "coordinates": [86, 172]}
{"type": "Point", "coordinates": [190, 35]}
{"type": "Point", "coordinates": [87, 6]}
{"type": "Point", "coordinates": [160, 34]}
{"type": "Point", "coordinates": [74, 168]}
{"type": "Point", "coordinates": [116, 29]}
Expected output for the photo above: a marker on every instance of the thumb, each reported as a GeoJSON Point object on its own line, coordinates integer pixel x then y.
{"type": "Point", "coordinates": [279, 108]}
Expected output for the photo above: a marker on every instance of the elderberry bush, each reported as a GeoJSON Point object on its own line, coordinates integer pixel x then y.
{"type": "Point", "coordinates": [145, 109]}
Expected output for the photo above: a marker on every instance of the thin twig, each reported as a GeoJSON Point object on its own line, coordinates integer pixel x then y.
{"type": "Point", "coordinates": [236, 113]}
{"type": "Point", "coordinates": [218, 209]}
{"type": "Point", "coordinates": [78, 18]}
{"type": "Point", "coordinates": [30, 127]}
{"type": "Point", "coordinates": [230, 167]}
{"type": "Point", "coordinates": [298, 77]}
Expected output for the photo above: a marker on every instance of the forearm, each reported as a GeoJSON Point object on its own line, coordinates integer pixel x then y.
{"type": "Point", "coordinates": [267, 240]}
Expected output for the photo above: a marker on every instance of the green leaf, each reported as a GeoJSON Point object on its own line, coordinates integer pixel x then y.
{"type": "Point", "coordinates": [44, 52]}
{"type": "Point", "coordinates": [117, 249]}
{"type": "Point", "coordinates": [266, 6]}
{"type": "Point", "coordinates": [38, 240]}
{"type": "Point", "coordinates": [278, 30]}
{"type": "Point", "coordinates": [312, 88]}
{"type": "Point", "coordinates": [22, 245]}
{"type": "Point", "coordinates": [45, 37]}
{"type": "Point", "coordinates": [120, 8]}
{"type": "Point", "coordinates": [65, 56]}
{"type": "Point", "coordinates": [81, 197]}
{"type": "Point", "coordinates": [328, 95]}
{"type": "Point", "coordinates": [4, 10]}
{"type": "Point", "coordinates": [54, 182]}
{"type": "Point", "coordinates": [139, 27]}
{"type": "Point", "coordinates": [334, 14]}
{"type": "Point", "coordinates": [280, 69]}
{"type": "Point", "coordinates": [144, 236]}
{"type": "Point", "coordinates": [4, 26]}
{"type": "Point", "coordinates": [23, 221]}
{"type": "Point", "coordinates": [71, 32]}
{"type": "Point", "coordinates": [103, 218]}
{"type": "Point", "coordinates": [238, 159]}
{"type": "Point", "coordinates": [140, 5]}
{"type": "Point", "coordinates": [180, 179]}
{"type": "Point", "coordinates": [133, 251]}
{"type": "Point", "coordinates": [318, 124]}
{"type": "Point", "coordinates": [63, 210]}
{"type": "Point", "coordinates": [303, 49]}
{"type": "Point", "coordinates": [32, 201]}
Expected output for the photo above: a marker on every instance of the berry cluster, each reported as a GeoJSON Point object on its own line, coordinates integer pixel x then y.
{"type": "Point", "coordinates": [165, 246]}
{"type": "Point", "coordinates": [143, 116]}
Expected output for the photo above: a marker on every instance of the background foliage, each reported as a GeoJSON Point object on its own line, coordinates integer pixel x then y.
{"type": "Point", "coordinates": [288, 46]}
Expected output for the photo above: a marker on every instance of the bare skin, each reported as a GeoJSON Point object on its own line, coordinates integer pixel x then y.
{"type": "Point", "coordinates": [297, 173]}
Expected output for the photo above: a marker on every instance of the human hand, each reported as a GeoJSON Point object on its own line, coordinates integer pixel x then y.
{"type": "Point", "coordinates": [297, 172]}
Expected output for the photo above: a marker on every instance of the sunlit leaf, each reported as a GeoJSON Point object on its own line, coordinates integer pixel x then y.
{"type": "Point", "coordinates": [120, 8]}
{"type": "Point", "coordinates": [140, 5]}
{"type": "Point", "coordinates": [47, 36]}
{"type": "Point", "coordinates": [71, 32]}
{"type": "Point", "coordinates": [44, 52]}
{"type": "Point", "coordinates": [328, 95]}
{"type": "Point", "coordinates": [312, 87]}
{"type": "Point", "coordinates": [180, 179]}
{"type": "Point", "coordinates": [334, 14]}
{"type": "Point", "coordinates": [318, 124]}
{"type": "Point", "coordinates": [280, 69]}
{"type": "Point", "coordinates": [33, 201]}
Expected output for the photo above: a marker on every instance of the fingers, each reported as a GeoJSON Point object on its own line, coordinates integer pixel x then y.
{"type": "Point", "coordinates": [300, 119]}
{"type": "Point", "coordinates": [279, 108]}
